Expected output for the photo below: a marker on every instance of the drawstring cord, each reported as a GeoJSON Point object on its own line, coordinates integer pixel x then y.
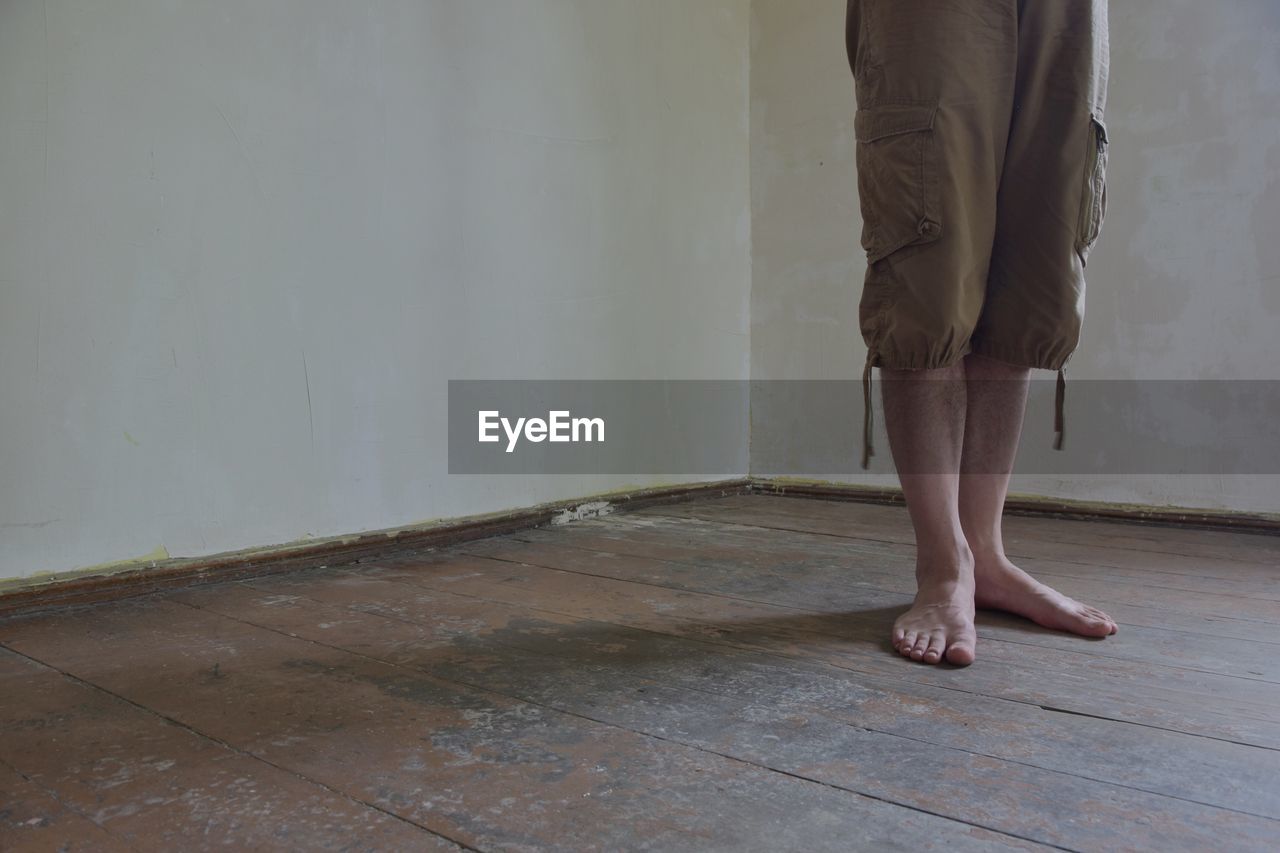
{"type": "Point", "coordinates": [867, 450]}
{"type": "Point", "coordinates": [1059, 402]}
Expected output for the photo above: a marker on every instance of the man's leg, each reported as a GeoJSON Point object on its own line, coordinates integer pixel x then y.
{"type": "Point", "coordinates": [924, 413]}
{"type": "Point", "coordinates": [996, 400]}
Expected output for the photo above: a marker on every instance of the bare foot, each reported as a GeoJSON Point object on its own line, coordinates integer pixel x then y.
{"type": "Point", "coordinates": [1003, 586]}
{"type": "Point", "coordinates": [940, 623]}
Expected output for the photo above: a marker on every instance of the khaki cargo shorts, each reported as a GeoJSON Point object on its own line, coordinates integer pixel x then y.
{"type": "Point", "coordinates": [981, 157]}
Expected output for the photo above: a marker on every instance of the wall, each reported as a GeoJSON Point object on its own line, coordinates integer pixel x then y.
{"type": "Point", "coordinates": [1184, 284]}
{"type": "Point", "coordinates": [244, 245]}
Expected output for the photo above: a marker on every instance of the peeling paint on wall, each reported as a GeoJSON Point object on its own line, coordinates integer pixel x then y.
{"type": "Point", "coordinates": [145, 561]}
{"type": "Point", "coordinates": [594, 509]}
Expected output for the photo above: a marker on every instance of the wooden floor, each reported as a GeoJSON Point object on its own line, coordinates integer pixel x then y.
{"type": "Point", "coordinates": [703, 676]}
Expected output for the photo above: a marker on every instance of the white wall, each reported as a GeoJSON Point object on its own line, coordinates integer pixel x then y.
{"type": "Point", "coordinates": [244, 244]}
{"type": "Point", "coordinates": [1185, 282]}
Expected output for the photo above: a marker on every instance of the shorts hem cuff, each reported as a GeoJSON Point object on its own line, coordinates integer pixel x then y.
{"type": "Point", "coordinates": [928, 362]}
{"type": "Point", "coordinates": [1019, 359]}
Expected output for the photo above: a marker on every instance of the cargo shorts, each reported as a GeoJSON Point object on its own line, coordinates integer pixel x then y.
{"type": "Point", "coordinates": [981, 151]}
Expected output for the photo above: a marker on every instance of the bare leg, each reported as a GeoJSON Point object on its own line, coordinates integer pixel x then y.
{"type": "Point", "coordinates": [924, 412]}
{"type": "Point", "coordinates": [997, 399]}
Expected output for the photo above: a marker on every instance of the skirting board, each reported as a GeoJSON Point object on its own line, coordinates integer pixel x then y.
{"type": "Point", "coordinates": [74, 588]}
{"type": "Point", "coordinates": [77, 588]}
{"type": "Point", "coordinates": [1199, 519]}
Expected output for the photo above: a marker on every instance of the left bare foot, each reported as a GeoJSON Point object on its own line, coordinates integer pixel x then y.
{"type": "Point", "coordinates": [1000, 585]}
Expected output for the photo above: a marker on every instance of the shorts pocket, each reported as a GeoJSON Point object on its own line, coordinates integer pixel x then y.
{"type": "Point", "coordinates": [1093, 202]}
{"type": "Point", "coordinates": [897, 177]}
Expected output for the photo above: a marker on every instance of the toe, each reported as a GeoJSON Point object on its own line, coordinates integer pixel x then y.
{"type": "Point", "coordinates": [907, 644]}
{"type": "Point", "coordinates": [1112, 627]}
{"type": "Point", "coordinates": [961, 649]}
{"type": "Point", "coordinates": [898, 634]}
{"type": "Point", "coordinates": [1102, 617]}
{"type": "Point", "coordinates": [918, 650]}
{"type": "Point", "coordinates": [1089, 622]}
{"type": "Point", "coordinates": [1100, 627]}
{"type": "Point", "coordinates": [937, 645]}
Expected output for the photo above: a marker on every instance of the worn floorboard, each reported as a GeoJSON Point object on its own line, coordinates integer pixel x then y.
{"type": "Point", "coordinates": [142, 780]}
{"type": "Point", "coordinates": [866, 563]}
{"type": "Point", "coordinates": [707, 676]}
{"type": "Point", "coordinates": [826, 584]}
{"type": "Point", "coordinates": [1201, 703]}
{"type": "Point", "coordinates": [468, 764]}
{"type": "Point", "coordinates": [1165, 549]}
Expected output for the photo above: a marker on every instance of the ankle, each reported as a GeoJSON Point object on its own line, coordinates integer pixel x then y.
{"type": "Point", "coordinates": [988, 555]}
{"type": "Point", "coordinates": [944, 565]}
{"type": "Point", "coordinates": [984, 540]}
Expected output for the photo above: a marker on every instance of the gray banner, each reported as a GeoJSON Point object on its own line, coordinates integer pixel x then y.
{"type": "Point", "coordinates": [814, 428]}
{"type": "Point", "coordinates": [676, 427]}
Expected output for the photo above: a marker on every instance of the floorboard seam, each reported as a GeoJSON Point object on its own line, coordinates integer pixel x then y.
{"type": "Point", "coordinates": [231, 748]}
{"type": "Point", "coordinates": [1054, 710]}
{"type": "Point", "coordinates": [658, 510]}
{"type": "Point", "coordinates": [810, 532]}
{"type": "Point", "coordinates": [54, 795]}
{"type": "Point", "coordinates": [692, 688]}
{"type": "Point", "coordinates": [825, 663]}
{"type": "Point", "coordinates": [807, 611]}
{"type": "Point", "coordinates": [1093, 779]}
{"type": "Point", "coordinates": [1015, 556]}
{"type": "Point", "coordinates": [1181, 631]}
{"type": "Point", "coordinates": [738, 760]}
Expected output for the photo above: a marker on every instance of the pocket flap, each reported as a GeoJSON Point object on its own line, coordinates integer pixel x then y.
{"type": "Point", "coordinates": [872, 123]}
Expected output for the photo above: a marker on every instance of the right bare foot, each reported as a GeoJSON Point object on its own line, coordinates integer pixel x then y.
{"type": "Point", "coordinates": [940, 624]}
{"type": "Point", "coordinates": [1003, 586]}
